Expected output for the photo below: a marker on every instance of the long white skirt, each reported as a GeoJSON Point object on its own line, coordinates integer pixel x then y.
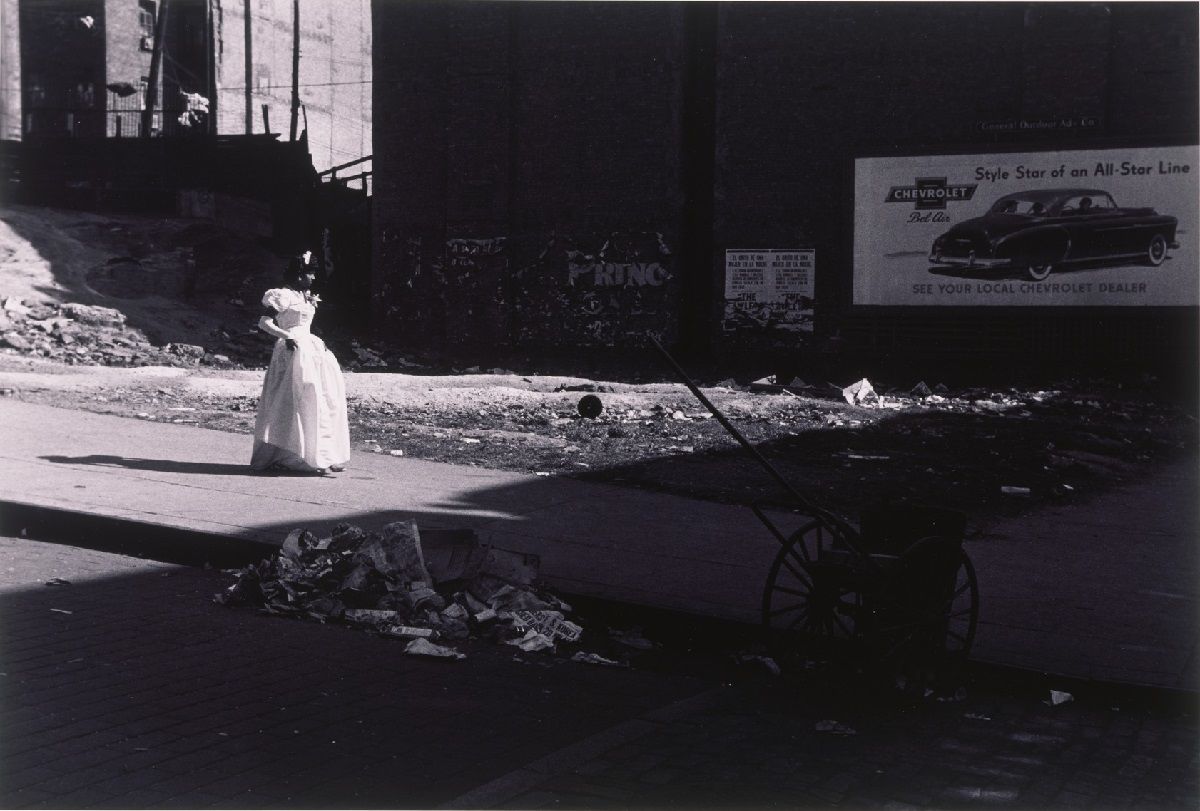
{"type": "Point", "coordinates": [301, 422]}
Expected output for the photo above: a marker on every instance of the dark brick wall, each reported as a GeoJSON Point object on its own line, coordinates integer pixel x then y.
{"type": "Point", "coordinates": [566, 132]}
{"type": "Point", "coordinates": [1155, 59]}
{"type": "Point", "coordinates": [802, 88]}
{"type": "Point", "coordinates": [527, 171]}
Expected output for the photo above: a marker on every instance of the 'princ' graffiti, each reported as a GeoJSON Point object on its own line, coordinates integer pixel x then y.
{"type": "Point", "coordinates": [617, 274]}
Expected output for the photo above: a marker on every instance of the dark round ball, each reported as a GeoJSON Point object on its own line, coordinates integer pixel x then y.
{"type": "Point", "coordinates": [590, 406]}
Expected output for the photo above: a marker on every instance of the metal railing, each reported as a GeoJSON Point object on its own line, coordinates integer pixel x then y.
{"type": "Point", "coordinates": [330, 175]}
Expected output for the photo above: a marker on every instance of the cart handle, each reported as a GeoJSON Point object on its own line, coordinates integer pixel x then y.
{"type": "Point", "coordinates": [806, 504]}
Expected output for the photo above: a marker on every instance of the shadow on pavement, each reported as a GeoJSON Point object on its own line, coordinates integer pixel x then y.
{"type": "Point", "coordinates": [130, 688]}
{"type": "Point", "coordinates": [160, 465]}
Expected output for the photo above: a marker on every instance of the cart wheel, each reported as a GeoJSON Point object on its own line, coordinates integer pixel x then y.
{"type": "Point", "coordinates": [810, 605]}
{"type": "Point", "coordinates": [929, 607]}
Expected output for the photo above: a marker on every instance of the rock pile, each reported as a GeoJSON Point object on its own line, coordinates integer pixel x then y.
{"type": "Point", "coordinates": [83, 334]}
{"type": "Point", "coordinates": [451, 588]}
{"type": "Point", "coordinates": [91, 335]}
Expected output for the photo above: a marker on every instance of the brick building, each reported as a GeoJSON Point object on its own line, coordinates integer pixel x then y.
{"type": "Point", "coordinates": [566, 175]}
{"type": "Point", "coordinates": [83, 67]}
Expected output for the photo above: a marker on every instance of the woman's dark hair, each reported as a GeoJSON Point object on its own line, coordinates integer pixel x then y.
{"type": "Point", "coordinates": [299, 263]}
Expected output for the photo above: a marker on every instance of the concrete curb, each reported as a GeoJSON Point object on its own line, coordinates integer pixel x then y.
{"type": "Point", "coordinates": [124, 536]}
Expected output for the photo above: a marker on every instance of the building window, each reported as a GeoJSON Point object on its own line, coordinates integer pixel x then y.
{"type": "Point", "coordinates": [146, 15]}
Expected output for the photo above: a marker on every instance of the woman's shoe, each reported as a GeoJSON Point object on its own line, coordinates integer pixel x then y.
{"type": "Point", "coordinates": [337, 468]}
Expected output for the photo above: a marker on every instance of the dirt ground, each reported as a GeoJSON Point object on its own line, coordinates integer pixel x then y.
{"type": "Point", "coordinates": [186, 352]}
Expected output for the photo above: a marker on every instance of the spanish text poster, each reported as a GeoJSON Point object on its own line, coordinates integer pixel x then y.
{"type": "Point", "coordinates": [769, 274]}
{"type": "Point", "coordinates": [769, 288]}
{"type": "Point", "coordinates": [1111, 227]}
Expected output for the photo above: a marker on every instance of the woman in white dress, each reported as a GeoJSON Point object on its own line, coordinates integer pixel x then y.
{"type": "Point", "coordinates": [301, 425]}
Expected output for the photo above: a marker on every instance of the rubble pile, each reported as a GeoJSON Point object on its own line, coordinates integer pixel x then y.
{"type": "Point", "coordinates": [449, 588]}
{"type": "Point", "coordinates": [92, 335]}
{"type": "Point", "coordinates": [83, 334]}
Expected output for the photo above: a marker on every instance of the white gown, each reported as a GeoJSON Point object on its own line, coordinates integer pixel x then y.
{"type": "Point", "coordinates": [301, 422]}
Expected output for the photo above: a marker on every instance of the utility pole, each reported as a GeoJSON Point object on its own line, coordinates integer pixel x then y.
{"type": "Point", "coordinates": [295, 66]}
{"type": "Point", "coordinates": [249, 90]}
{"type": "Point", "coordinates": [160, 32]}
{"type": "Point", "coordinates": [210, 68]}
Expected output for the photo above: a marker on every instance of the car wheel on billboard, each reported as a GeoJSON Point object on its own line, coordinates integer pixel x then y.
{"type": "Point", "coordinates": [1038, 269]}
{"type": "Point", "coordinates": [1156, 252]}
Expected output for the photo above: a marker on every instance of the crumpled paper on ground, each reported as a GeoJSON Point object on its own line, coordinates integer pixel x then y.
{"type": "Point", "coordinates": [532, 641]}
{"type": "Point", "coordinates": [379, 581]}
{"type": "Point", "coordinates": [423, 647]}
{"type": "Point", "coordinates": [859, 393]}
{"type": "Point", "coordinates": [596, 659]}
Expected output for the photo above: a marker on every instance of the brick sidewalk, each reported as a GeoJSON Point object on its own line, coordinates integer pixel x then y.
{"type": "Point", "coordinates": [759, 747]}
{"type": "Point", "coordinates": [149, 695]}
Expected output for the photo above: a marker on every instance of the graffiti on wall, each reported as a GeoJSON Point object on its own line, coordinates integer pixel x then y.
{"type": "Point", "coordinates": [608, 290]}
{"type": "Point", "coordinates": [473, 254]}
{"type": "Point", "coordinates": [604, 290]}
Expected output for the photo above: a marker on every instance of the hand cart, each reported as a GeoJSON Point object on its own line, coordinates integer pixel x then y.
{"type": "Point", "coordinates": [899, 591]}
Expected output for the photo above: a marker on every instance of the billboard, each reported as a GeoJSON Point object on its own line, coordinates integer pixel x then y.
{"type": "Point", "coordinates": [1110, 227]}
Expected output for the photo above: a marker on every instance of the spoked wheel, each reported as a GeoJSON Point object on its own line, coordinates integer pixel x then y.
{"type": "Point", "coordinates": [811, 605]}
{"type": "Point", "coordinates": [928, 608]}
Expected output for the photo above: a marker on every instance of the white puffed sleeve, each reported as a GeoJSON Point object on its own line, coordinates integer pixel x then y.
{"type": "Point", "coordinates": [274, 298]}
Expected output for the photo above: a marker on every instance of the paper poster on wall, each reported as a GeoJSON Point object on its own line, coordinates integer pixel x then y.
{"type": "Point", "coordinates": [769, 288]}
{"type": "Point", "coordinates": [1113, 227]}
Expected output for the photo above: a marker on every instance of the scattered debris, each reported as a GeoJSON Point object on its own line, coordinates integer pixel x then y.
{"type": "Point", "coordinates": [766, 661]}
{"type": "Point", "coordinates": [394, 582]}
{"type": "Point", "coordinates": [1010, 490]}
{"type": "Point", "coordinates": [631, 639]}
{"type": "Point", "coordinates": [859, 393]}
{"type": "Point", "coordinates": [958, 695]}
{"type": "Point", "coordinates": [1058, 697]}
{"type": "Point", "coordinates": [834, 728]}
{"type": "Point", "coordinates": [977, 716]}
{"type": "Point", "coordinates": [532, 641]}
{"type": "Point", "coordinates": [423, 647]}
{"type": "Point", "coordinates": [61, 611]}
{"type": "Point", "coordinates": [596, 659]}
{"type": "Point", "coordinates": [548, 623]}
{"type": "Point", "coordinates": [57, 581]}
{"type": "Point", "coordinates": [96, 316]}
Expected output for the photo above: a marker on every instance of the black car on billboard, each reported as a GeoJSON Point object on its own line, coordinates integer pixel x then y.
{"type": "Point", "coordinates": [1038, 231]}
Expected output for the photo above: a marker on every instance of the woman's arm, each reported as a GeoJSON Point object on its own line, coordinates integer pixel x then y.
{"type": "Point", "coordinates": [267, 324]}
